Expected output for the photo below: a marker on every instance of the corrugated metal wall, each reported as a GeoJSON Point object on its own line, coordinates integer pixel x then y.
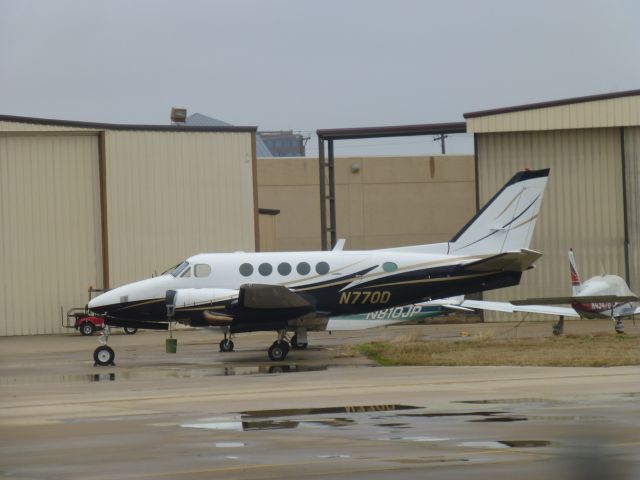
{"type": "Point", "coordinates": [582, 207]}
{"type": "Point", "coordinates": [50, 222]}
{"type": "Point", "coordinates": [632, 173]}
{"type": "Point", "coordinates": [174, 194]}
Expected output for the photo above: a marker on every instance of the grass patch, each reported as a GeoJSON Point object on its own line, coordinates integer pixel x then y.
{"type": "Point", "coordinates": [606, 349]}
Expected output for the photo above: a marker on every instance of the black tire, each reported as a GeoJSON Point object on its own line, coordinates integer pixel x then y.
{"type": "Point", "coordinates": [104, 355]}
{"type": "Point", "coordinates": [226, 345]}
{"type": "Point", "coordinates": [278, 351]}
{"type": "Point", "coordinates": [130, 330]}
{"type": "Point", "coordinates": [86, 328]}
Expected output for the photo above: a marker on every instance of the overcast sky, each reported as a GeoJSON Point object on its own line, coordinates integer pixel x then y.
{"type": "Point", "coordinates": [304, 65]}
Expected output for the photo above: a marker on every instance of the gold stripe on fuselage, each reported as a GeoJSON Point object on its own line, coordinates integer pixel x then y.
{"type": "Point", "coordinates": [146, 302]}
{"type": "Point", "coordinates": [430, 280]}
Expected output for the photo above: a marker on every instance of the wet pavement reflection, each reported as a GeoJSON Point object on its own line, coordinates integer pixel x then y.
{"type": "Point", "coordinates": [141, 373]}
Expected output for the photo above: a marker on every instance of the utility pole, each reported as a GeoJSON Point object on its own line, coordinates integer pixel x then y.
{"type": "Point", "coordinates": [441, 138]}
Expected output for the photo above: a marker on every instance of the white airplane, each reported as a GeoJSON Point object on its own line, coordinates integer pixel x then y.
{"type": "Point", "coordinates": [300, 291]}
{"type": "Point", "coordinates": [603, 296]}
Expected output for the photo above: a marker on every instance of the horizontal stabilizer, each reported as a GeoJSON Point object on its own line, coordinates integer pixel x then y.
{"type": "Point", "coordinates": [271, 297]}
{"type": "Point", "coordinates": [508, 261]}
{"type": "Point", "coordinates": [577, 299]}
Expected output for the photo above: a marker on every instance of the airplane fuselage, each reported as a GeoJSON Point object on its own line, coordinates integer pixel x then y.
{"type": "Point", "coordinates": [335, 283]}
{"type": "Point", "coordinates": [605, 285]}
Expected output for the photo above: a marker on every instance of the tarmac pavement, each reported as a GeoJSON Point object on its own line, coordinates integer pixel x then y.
{"type": "Point", "coordinates": [322, 413]}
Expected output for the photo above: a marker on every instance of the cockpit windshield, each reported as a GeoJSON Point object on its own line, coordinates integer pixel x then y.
{"type": "Point", "coordinates": [179, 269]}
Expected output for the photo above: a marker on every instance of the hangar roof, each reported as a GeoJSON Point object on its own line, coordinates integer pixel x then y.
{"type": "Point", "coordinates": [119, 126]}
{"type": "Point", "coordinates": [392, 131]}
{"type": "Point", "coordinates": [616, 109]}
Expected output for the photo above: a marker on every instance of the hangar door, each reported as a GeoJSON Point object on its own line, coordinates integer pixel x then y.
{"type": "Point", "coordinates": [50, 246]}
{"type": "Point", "coordinates": [583, 206]}
{"type": "Point", "coordinates": [632, 174]}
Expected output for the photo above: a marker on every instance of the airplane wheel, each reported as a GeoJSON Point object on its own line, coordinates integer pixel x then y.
{"type": "Point", "coordinates": [278, 351]}
{"type": "Point", "coordinates": [130, 330]}
{"type": "Point", "coordinates": [104, 355]}
{"type": "Point", "coordinates": [619, 327]}
{"type": "Point", "coordinates": [87, 329]}
{"type": "Point", "coordinates": [226, 345]}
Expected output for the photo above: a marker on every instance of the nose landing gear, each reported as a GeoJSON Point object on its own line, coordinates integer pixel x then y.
{"type": "Point", "coordinates": [226, 345]}
{"type": "Point", "coordinates": [104, 354]}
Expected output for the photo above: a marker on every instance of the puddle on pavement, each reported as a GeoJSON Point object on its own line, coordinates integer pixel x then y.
{"type": "Point", "coordinates": [526, 443]}
{"type": "Point", "coordinates": [501, 419]}
{"type": "Point", "coordinates": [241, 425]}
{"type": "Point", "coordinates": [452, 414]}
{"type": "Point", "coordinates": [230, 444]}
{"type": "Point", "coordinates": [313, 418]}
{"type": "Point", "coordinates": [417, 438]}
{"type": "Point", "coordinates": [70, 378]}
{"type": "Point", "coordinates": [393, 425]}
{"type": "Point", "coordinates": [502, 444]}
{"type": "Point", "coordinates": [297, 418]}
{"type": "Point", "coordinates": [483, 444]}
{"type": "Point", "coordinates": [567, 418]}
{"type": "Point", "coordinates": [293, 412]}
{"type": "Point", "coordinates": [509, 401]}
{"type": "Point", "coordinates": [145, 373]}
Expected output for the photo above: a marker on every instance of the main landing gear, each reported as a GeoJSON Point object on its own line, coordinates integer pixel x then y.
{"type": "Point", "coordinates": [299, 340]}
{"type": "Point", "coordinates": [279, 349]}
{"type": "Point", "coordinates": [619, 326]}
{"type": "Point", "coordinates": [558, 328]}
{"type": "Point", "coordinates": [104, 354]}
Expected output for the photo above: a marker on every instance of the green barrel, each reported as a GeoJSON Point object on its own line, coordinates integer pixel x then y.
{"type": "Point", "coordinates": [171, 345]}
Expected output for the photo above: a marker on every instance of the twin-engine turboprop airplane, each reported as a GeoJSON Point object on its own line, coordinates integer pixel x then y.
{"type": "Point", "coordinates": [300, 291]}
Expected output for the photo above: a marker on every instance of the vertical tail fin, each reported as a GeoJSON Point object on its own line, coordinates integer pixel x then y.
{"type": "Point", "coordinates": [507, 221]}
{"type": "Point", "coordinates": [575, 278]}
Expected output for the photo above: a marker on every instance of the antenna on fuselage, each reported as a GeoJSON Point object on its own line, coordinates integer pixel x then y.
{"type": "Point", "coordinates": [339, 246]}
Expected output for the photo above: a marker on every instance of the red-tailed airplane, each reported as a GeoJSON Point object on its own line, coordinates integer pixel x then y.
{"type": "Point", "coordinates": [603, 296]}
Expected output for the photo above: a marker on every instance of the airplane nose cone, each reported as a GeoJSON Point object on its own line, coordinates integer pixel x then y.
{"type": "Point", "coordinates": [100, 303]}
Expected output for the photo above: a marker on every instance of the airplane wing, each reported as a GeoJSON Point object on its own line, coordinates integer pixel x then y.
{"type": "Point", "coordinates": [511, 308]}
{"type": "Point", "coordinates": [509, 261]}
{"type": "Point", "coordinates": [578, 299]}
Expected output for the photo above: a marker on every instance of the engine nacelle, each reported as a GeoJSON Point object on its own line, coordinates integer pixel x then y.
{"type": "Point", "coordinates": [201, 297]}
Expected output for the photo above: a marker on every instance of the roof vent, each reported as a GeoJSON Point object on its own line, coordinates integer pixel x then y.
{"type": "Point", "coordinates": [178, 115]}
